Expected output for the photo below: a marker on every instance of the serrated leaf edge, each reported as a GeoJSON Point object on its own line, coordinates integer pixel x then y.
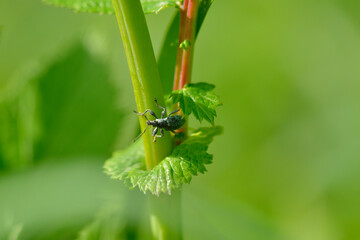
{"type": "Point", "coordinates": [167, 173]}
{"type": "Point", "coordinates": [178, 96]}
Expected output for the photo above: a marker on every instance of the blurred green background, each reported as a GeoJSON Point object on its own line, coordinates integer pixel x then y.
{"type": "Point", "coordinates": [286, 167]}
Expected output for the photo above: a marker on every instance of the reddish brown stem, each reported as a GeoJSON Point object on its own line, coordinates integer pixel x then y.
{"type": "Point", "coordinates": [189, 34]}
{"type": "Point", "coordinates": [188, 17]}
{"type": "Point", "coordinates": [181, 39]}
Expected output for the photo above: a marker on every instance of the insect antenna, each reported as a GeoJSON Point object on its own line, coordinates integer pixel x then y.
{"type": "Point", "coordinates": [140, 134]}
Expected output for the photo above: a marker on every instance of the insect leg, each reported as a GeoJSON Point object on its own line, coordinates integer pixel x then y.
{"type": "Point", "coordinates": [143, 114]}
{"type": "Point", "coordinates": [159, 136]}
{"type": "Point", "coordinates": [140, 134]}
{"type": "Point", "coordinates": [175, 111]}
{"type": "Point", "coordinates": [164, 110]}
{"type": "Point", "coordinates": [154, 132]}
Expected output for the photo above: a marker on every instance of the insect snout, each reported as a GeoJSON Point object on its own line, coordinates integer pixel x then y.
{"type": "Point", "coordinates": [148, 122]}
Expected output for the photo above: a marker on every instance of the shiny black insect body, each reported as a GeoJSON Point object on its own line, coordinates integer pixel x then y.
{"type": "Point", "coordinates": [169, 123]}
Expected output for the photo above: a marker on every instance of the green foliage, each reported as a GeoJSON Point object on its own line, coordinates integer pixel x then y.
{"type": "Point", "coordinates": [54, 200]}
{"type": "Point", "coordinates": [77, 110]}
{"type": "Point", "coordinates": [185, 44]}
{"type": "Point", "coordinates": [293, 83]}
{"type": "Point", "coordinates": [203, 10]}
{"type": "Point", "coordinates": [89, 6]}
{"type": "Point", "coordinates": [155, 6]}
{"type": "Point", "coordinates": [18, 125]}
{"type": "Point", "coordinates": [187, 160]}
{"type": "Point", "coordinates": [107, 225]}
{"type": "Point", "coordinates": [167, 56]}
{"type": "Point", "coordinates": [198, 99]}
{"type": "Point", "coordinates": [106, 6]}
{"type": "Point", "coordinates": [123, 163]}
{"type": "Point", "coordinates": [68, 110]}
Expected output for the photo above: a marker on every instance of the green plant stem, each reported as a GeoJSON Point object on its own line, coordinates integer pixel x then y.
{"type": "Point", "coordinates": [165, 210]}
{"type": "Point", "coordinates": [144, 73]}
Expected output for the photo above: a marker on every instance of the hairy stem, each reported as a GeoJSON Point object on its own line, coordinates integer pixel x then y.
{"type": "Point", "coordinates": [165, 210]}
{"type": "Point", "coordinates": [144, 73]}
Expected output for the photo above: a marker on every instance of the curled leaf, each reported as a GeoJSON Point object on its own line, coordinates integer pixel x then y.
{"type": "Point", "coordinates": [187, 160]}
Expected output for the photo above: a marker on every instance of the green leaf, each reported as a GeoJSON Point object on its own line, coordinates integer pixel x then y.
{"type": "Point", "coordinates": [203, 10]}
{"type": "Point", "coordinates": [167, 56]}
{"type": "Point", "coordinates": [120, 165]}
{"type": "Point", "coordinates": [106, 6]}
{"type": "Point", "coordinates": [187, 160]}
{"type": "Point", "coordinates": [43, 115]}
{"type": "Point", "coordinates": [88, 6]}
{"type": "Point", "coordinates": [77, 108]}
{"type": "Point", "coordinates": [198, 99]}
{"type": "Point", "coordinates": [155, 6]}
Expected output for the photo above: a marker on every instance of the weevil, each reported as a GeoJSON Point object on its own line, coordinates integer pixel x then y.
{"type": "Point", "coordinates": [169, 123]}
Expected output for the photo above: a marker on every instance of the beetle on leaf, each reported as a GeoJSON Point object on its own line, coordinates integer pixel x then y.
{"type": "Point", "coordinates": [169, 123]}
